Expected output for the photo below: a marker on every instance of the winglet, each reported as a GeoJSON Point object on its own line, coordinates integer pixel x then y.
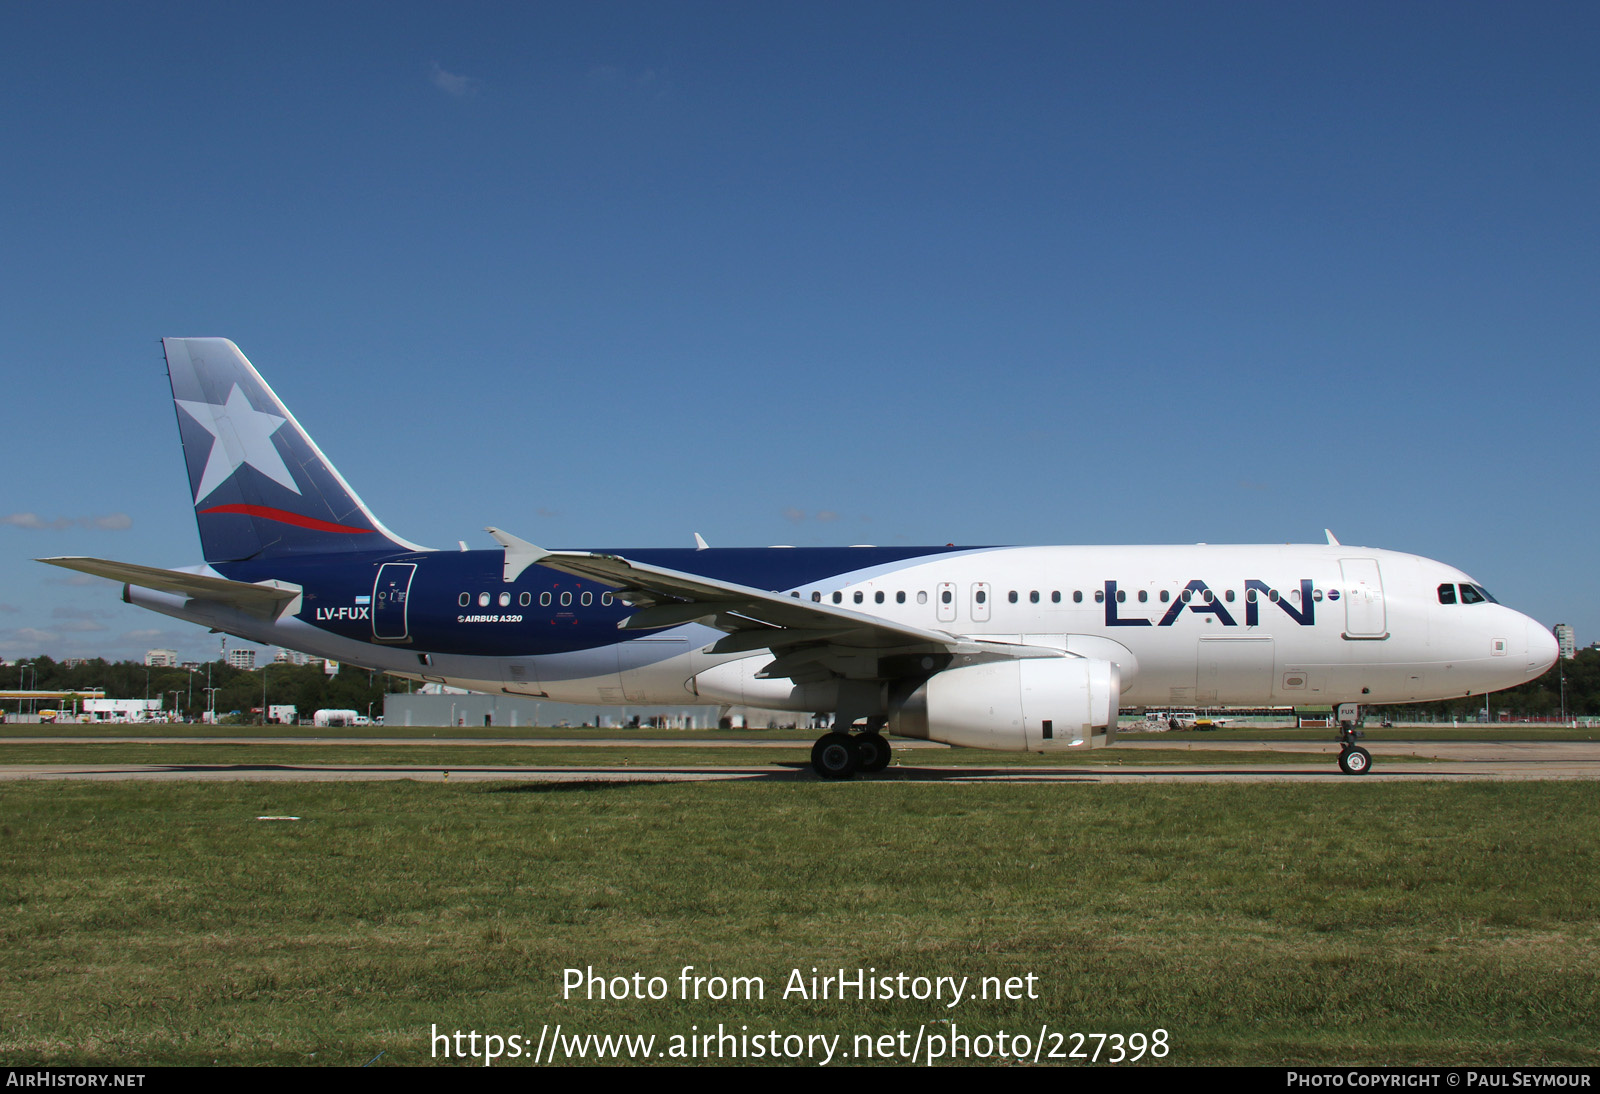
{"type": "Point", "coordinates": [520, 554]}
{"type": "Point", "coordinates": [1332, 539]}
{"type": "Point", "coordinates": [700, 543]}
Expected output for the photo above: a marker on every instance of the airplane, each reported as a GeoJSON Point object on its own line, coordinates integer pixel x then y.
{"type": "Point", "coordinates": [1014, 648]}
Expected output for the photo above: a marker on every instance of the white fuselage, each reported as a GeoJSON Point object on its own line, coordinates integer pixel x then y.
{"type": "Point", "coordinates": [1283, 626]}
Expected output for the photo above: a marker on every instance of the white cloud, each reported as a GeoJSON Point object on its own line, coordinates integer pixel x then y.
{"type": "Point", "coordinates": [29, 637]}
{"type": "Point", "coordinates": [111, 522]}
{"type": "Point", "coordinates": [34, 520]}
{"type": "Point", "coordinates": [451, 84]}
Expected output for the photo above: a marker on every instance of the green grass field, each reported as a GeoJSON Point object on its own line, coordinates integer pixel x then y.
{"type": "Point", "coordinates": [1384, 923]}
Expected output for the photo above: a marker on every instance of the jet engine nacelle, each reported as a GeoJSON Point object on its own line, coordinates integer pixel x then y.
{"type": "Point", "coordinates": [1037, 704]}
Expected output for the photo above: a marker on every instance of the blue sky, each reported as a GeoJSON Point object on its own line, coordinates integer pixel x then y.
{"type": "Point", "coordinates": [611, 274]}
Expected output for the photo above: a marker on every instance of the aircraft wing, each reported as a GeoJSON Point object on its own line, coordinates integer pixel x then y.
{"type": "Point", "coordinates": [267, 600]}
{"type": "Point", "coordinates": [802, 633]}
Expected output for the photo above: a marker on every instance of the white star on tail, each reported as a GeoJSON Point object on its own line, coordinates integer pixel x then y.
{"type": "Point", "coordinates": [242, 434]}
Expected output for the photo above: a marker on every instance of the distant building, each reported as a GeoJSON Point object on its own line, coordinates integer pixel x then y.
{"type": "Point", "coordinates": [242, 659]}
{"type": "Point", "coordinates": [74, 662]}
{"type": "Point", "coordinates": [1567, 641]}
{"type": "Point", "coordinates": [161, 659]}
{"type": "Point", "coordinates": [294, 657]}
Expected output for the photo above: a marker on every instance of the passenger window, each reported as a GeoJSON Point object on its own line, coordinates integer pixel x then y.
{"type": "Point", "coordinates": [1447, 593]}
{"type": "Point", "coordinates": [900, 597]}
{"type": "Point", "coordinates": [1077, 596]}
{"type": "Point", "coordinates": [944, 597]}
{"type": "Point", "coordinates": [1209, 596]}
{"type": "Point", "coordinates": [877, 597]}
{"type": "Point", "coordinates": [1272, 595]}
{"type": "Point", "coordinates": [464, 599]}
{"type": "Point", "coordinates": [1033, 597]}
{"type": "Point", "coordinates": [566, 600]}
{"type": "Point", "coordinates": [1055, 596]}
{"type": "Point", "coordinates": [1188, 594]}
{"type": "Point", "coordinates": [1012, 596]}
{"type": "Point", "coordinates": [587, 599]}
{"type": "Point", "coordinates": [605, 598]}
{"type": "Point", "coordinates": [505, 600]}
{"type": "Point", "coordinates": [859, 597]}
{"type": "Point", "coordinates": [544, 600]}
{"type": "Point", "coordinates": [1250, 595]}
{"type": "Point", "coordinates": [816, 597]}
{"type": "Point", "coordinates": [980, 596]}
{"type": "Point", "coordinates": [838, 597]}
{"type": "Point", "coordinates": [922, 596]}
{"type": "Point", "coordinates": [1122, 596]}
{"type": "Point", "coordinates": [483, 600]}
{"type": "Point", "coordinates": [1228, 596]}
{"type": "Point", "coordinates": [1144, 596]}
{"type": "Point", "coordinates": [1099, 596]}
{"type": "Point", "coordinates": [525, 599]}
{"type": "Point", "coordinates": [1165, 596]}
{"type": "Point", "coordinates": [1316, 594]}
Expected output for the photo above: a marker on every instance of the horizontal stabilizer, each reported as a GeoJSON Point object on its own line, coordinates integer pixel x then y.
{"type": "Point", "coordinates": [266, 600]}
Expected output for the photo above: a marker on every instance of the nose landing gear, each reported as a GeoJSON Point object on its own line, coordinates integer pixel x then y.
{"type": "Point", "coordinates": [1353, 759]}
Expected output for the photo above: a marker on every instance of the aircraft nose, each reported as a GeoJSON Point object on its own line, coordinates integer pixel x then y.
{"type": "Point", "coordinates": [1543, 649]}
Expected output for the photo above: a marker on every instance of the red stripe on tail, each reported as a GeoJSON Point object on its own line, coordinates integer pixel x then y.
{"type": "Point", "coordinates": [283, 516]}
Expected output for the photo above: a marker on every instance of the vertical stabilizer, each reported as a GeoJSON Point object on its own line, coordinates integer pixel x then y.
{"type": "Point", "coordinates": [261, 487]}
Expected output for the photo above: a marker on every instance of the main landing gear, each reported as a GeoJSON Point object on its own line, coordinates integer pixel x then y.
{"type": "Point", "coordinates": [840, 754]}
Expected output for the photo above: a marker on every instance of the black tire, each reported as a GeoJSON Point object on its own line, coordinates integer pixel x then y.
{"type": "Point", "coordinates": [872, 752]}
{"type": "Point", "coordinates": [834, 756]}
{"type": "Point", "coordinates": [1355, 761]}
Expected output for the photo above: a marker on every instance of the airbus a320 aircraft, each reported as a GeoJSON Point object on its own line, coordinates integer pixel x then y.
{"type": "Point", "coordinates": [1018, 648]}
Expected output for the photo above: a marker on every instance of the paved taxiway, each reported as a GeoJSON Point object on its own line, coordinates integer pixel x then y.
{"type": "Point", "coordinates": [1304, 761]}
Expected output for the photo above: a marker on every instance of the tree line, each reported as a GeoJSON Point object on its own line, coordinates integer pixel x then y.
{"type": "Point", "coordinates": [307, 687]}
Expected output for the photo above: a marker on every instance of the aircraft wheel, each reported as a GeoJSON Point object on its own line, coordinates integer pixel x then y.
{"type": "Point", "coordinates": [872, 752]}
{"type": "Point", "coordinates": [834, 756]}
{"type": "Point", "coordinates": [1355, 761]}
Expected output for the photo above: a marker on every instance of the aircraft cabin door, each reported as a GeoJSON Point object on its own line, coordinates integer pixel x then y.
{"type": "Point", "coordinates": [1364, 615]}
{"type": "Point", "coordinates": [389, 595]}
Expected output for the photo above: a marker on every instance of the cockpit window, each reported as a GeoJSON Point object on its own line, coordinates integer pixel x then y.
{"type": "Point", "coordinates": [1474, 594]}
{"type": "Point", "coordinates": [1447, 594]}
